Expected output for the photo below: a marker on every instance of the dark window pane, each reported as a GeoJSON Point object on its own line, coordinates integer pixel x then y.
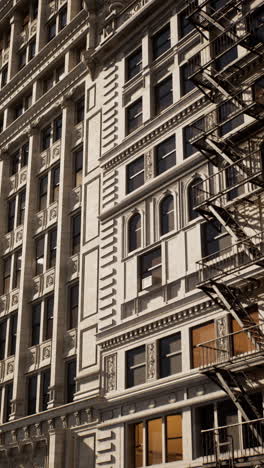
{"type": "Point", "coordinates": [45, 377]}
{"type": "Point", "coordinates": [134, 232]}
{"type": "Point", "coordinates": [136, 366]}
{"type": "Point", "coordinates": [204, 419]}
{"type": "Point", "coordinates": [165, 155]}
{"type": "Point", "coordinates": [13, 334]}
{"type": "Point", "coordinates": [36, 314]}
{"type": "Point", "coordinates": [74, 303]}
{"type": "Point", "coordinates": [192, 199]}
{"type": "Point", "coordinates": [57, 128]}
{"type": "Point", "coordinates": [184, 24]}
{"type": "Point", "coordinates": [11, 215]}
{"type": "Point", "coordinates": [76, 233]}
{"type": "Point", "coordinates": [134, 116]}
{"type": "Point", "coordinates": [135, 174]}
{"type": "Point", "coordinates": [62, 19]}
{"type": "Point", "coordinates": [18, 259]}
{"type": "Point", "coordinates": [167, 215]}
{"type": "Point", "coordinates": [24, 154]}
{"type": "Point", "coordinates": [32, 50]}
{"type": "Point", "coordinates": [55, 184]}
{"type": "Point", "coordinates": [150, 266]}
{"type": "Point", "coordinates": [2, 339]}
{"type": "Point", "coordinates": [21, 208]}
{"type": "Point", "coordinates": [52, 248]}
{"type": "Point", "coordinates": [49, 318]}
{"type": "Point", "coordinates": [225, 112]}
{"type": "Point", "coordinates": [39, 255]}
{"type": "Point", "coordinates": [6, 275]}
{"type": "Point", "coordinates": [32, 394]}
{"type": "Point", "coordinates": [8, 400]}
{"type": "Point", "coordinates": [78, 167]}
{"type": "Point", "coordinates": [185, 71]}
{"type": "Point", "coordinates": [161, 42]}
{"type": "Point", "coordinates": [15, 163]}
{"type": "Point", "coordinates": [46, 137]}
{"type": "Point", "coordinates": [163, 95]}
{"type": "Point", "coordinates": [170, 355]}
{"type": "Point", "coordinates": [79, 110]}
{"type": "Point", "coordinates": [4, 76]}
{"type": "Point", "coordinates": [51, 30]}
{"type": "Point", "coordinates": [71, 375]}
{"type": "Point", "coordinates": [134, 64]}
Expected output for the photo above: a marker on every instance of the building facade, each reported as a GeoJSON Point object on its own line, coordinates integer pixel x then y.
{"type": "Point", "coordinates": [131, 257]}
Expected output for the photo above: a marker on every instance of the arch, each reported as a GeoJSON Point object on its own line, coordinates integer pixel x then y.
{"type": "Point", "coordinates": [192, 197]}
{"type": "Point", "coordinates": [167, 218]}
{"type": "Point", "coordinates": [134, 232]}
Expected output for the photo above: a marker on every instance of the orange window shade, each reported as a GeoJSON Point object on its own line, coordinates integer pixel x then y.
{"type": "Point", "coordinates": [174, 437]}
{"type": "Point", "coordinates": [241, 341]}
{"type": "Point", "coordinates": [200, 334]}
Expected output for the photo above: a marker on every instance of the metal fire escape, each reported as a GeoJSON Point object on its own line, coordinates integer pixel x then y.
{"type": "Point", "coordinates": [236, 90]}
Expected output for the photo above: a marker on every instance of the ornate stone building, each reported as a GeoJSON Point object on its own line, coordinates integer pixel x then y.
{"type": "Point", "coordinates": [131, 254]}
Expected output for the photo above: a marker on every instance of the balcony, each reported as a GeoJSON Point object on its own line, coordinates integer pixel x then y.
{"type": "Point", "coordinates": [4, 57]}
{"type": "Point", "coordinates": [39, 356]}
{"type": "Point", "coordinates": [233, 443]}
{"type": "Point", "coordinates": [229, 348]}
{"type": "Point", "coordinates": [47, 217]}
{"type": "Point", "coordinates": [7, 367]}
{"type": "Point", "coordinates": [54, 6]}
{"type": "Point", "coordinates": [29, 31]}
{"type": "Point", "coordinates": [9, 302]}
{"type": "Point", "coordinates": [229, 260]}
{"type": "Point", "coordinates": [43, 284]}
{"type": "Point", "coordinates": [18, 180]}
{"type": "Point", "coordinates": [13, 239]}
{"type": "Point", "coordinates": [50, 155]}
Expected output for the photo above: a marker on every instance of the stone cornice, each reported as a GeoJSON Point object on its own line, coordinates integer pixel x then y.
{"type": "Point", "coordinates": [61, 43]}
{"type": "Point", "coordinates": [156, 325]}
{"type": "Point", "coordinates": [32, 117]}
{"type": "Point", "coordinates": [154, 134]}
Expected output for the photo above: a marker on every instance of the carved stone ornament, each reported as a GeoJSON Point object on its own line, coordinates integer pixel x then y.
{"type": "Point", "coordinates": [111, 372]}
{"type": "Point", "coordinates": [222, 338]}
{"type": "Point", "coordinates": [90, 62]}
{"type": "Point", "coordinates": [15, 299]}
{"type": "Point", "coordinates": [151, 361]}
{"type": "Point", "coordinates": [46, 352]}
{"type": "Point", "coordinates": [50, 280]}
{"type": "Point", "coordinates": [10, 368]}
{"type": "Point", "coordinates": [149, 170]}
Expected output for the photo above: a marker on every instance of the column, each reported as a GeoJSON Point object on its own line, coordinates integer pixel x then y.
{"type": "Point", "coordinates": [14, 44]}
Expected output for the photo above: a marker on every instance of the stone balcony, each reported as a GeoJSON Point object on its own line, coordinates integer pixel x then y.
{"type": "Point", "coordinates": [74, 267]}
{"type": "Point", "coordinates": [46, 217]}
{"type": "Point", "coordinates": [77, 134]}
{"type": "Point", "coordinates": [70, 343]}
{"type": "Point", "coordinates": [27, 33]}
{"type": "Point", "coordinates": [13, 239]}
{"type": "Point", "coordinates": [54, 6]}
{"type": "Point", "coordinates": [39, 356]}
{"type": "Point", "coordinates": [76, 198]}
{"type": "Point", "coordinates": [43, 284]}
{"type": "Point", "coordinates": [9, 302]}
{"type": "Point", "coordinates": [50, 155]}
{"type": "Point", "coordinates": [7, 367]}
{"type": "Point", "coordinates": [18, 180]}
{"type": "Point", "coordinates": [4, 57]}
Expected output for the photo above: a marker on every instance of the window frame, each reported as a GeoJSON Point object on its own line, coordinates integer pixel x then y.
{"type": "Point", "coordinates": [129, 375]}
{"type": "Point", "coordinates": [129, 167]}
{"type": "Point", "coordinates": [156, 36]}
{"type": "Point", "coordinates": [138, 117]}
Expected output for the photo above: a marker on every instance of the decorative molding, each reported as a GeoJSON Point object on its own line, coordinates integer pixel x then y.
{"type": "Point", "coordinates": [111, 373]}
{"type": "Point", "coordinates": [151, 361]}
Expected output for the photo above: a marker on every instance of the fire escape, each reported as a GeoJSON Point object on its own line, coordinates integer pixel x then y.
{"type": "Point", "coordinates": [228, 72]}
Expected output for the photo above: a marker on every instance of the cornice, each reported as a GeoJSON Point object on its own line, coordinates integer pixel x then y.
{"type": "Point", "coordinates": [45, 105]}
{"type": "Point", "coordinates": [152, 135]}
{"type": "Point", "coordinates": [45, 57]}
{"type": "Point", "coordinates": [156, 325]}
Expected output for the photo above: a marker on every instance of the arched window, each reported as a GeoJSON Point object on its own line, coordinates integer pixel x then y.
{"type": "Point", "coordinates": [194, 190]}
{"type": "Point", "coordinates": [166, 215]}
{"type": "Point", "coordinates": [134, 232]}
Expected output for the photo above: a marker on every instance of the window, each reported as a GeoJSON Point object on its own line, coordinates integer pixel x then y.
{"type": "Point", "coordinates": [45, 383]}
{"type": "Point", "coordinates": [55, 176]}
{"type": "Point", "coordinates": [11, 215]}
{"type": "Point", "coordinates": [53, 77]}
{"type": "Point", "coordinates": [35, 321]}
{"type": "Point", "coordinates": [8, 401]}
{"type": "Point", "coordinates": [185, 27]}
{"type": "Point", "coordinates": [150, 269]}
{"type": "Point", "coordinates": [188, 148]}
{"type": "Point", "coordinates": [51, 28]}
{"type": "Point", "coordinates": [15, 158]}
{"type": "Point", "coordinates": [22, 58]}
{"type": "Point", "coordinates": [52, 248]}
{"type": "Point", "coordinates": [7, 275]}
{"type": "Point", "coordinates": [193, 198]}
{"type": "Point", "coordinates": [46, 137]}
{"type": "Point", "coordinates": [57, 128]}
{"type": "Point", "coordinates": [35, 9]}
{"type": "Point", "coordinates": [21, 106]}
{"type": "Point", "coordinates": [134, 116]}
{"type": "Point", "coordinates": [43, 192]}
{"type": "Point", "coordinates": [134, 232]}
{"type": "Point", "coordinates": [13, 335]}
{"type": "Point", "coordinates": [70, 379]}
{"type": "Point", "coordinates": [225, 112]}
{"type": "Point", "coordinates": [3, 325]}
{"type": "Point", "coordinates": [62, 19]}
{"type": "Point", "coordinates": [165, 155]}
{"type": "Point", "coordinates": [134, 64]}
{"type": "Point", "coordinates": [135, 174]}
{"type": "Point", "coordinates": [219, 46]}
{"type": "Point", "coordinates": [241, 343]}
{"type": "Point", "coordinates": [79, 110]}
{"type": "Point", "coordinates": [136, 366]}
{"type": "Point", "coordinates": [18, 259]}
{"type": "Point", "coordinates": [167, 215]}
{"type": "Point", "coordinates": [204, 419]}
{"type": "Point", "coordinates": [21, 208]}
{"type": "Point", "coordinates": [214, 238]}
{"type": "Point", "coordinates": [187, 85]}
{"type": "Point", "coordinates": [19, 159]}
{"type": "Point", "coordinates": [31, 50]}
{"type": "Point", "coordinates": [233, 177]}
{"type": "Point", "coordinates": [40, 242]}
{"type": "Point", "coordinates": [32, 394]}
{"type": "Point", "coordinates": [170, 355]}
{"type": "Point", "coordinates": [49, 306]}
{"type": "Point", "coordinates": [73, 306]}
{"type": "Point", "coordinates": [78, 167]}
{"type": "Point", "coordinates": [200, 334]}
{"type": "Point", "coordinates": [156, 441]}
{"type": "Point", "coordinates": [4, 75]}
{"type": "Point", "coordinates": [76, 233]}
{"type": "Point", "coordinates": [161, 42]}
{"type": "Point", "coordinates": [163, 95]}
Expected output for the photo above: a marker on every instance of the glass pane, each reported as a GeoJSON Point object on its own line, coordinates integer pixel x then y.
{"type": "Point", "coordinates": [163, 94]}
{"type": "Point", "coordinates": [201, 334]}
{"type": "Point", "coordinates": [161, 42]}
{"type": "Point", "coordinates": [174, 437]}
{"type": "Point", "coordinates": [138, 445]}
{"type": "Point", "coordinates": [136, 356]}
{"type": "Point", "coordinates": [154, 452]}
{"type": "Point", "coordinates": [170, 365]}
{"type": "Point", "coordinates": [134, 64]}
{"type": "Point", "coordinates": [134, 232]}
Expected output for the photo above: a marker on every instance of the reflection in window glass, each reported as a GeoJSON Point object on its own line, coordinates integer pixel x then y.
{"type": "Point", "coordinates": [174, 437]}
{"type": "Point", "coordinates": [154, 453]}
{"type": "Point", "coordinates": [138, 445]}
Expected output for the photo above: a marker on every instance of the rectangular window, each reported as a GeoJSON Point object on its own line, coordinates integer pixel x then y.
{"type": "Point", "coordinates": [52, 248]}
{"type": "Point", "coordinates": [200, 334]}
{"type": "Point", "coordinates": [35, 321]}
{"type": "Point", "coordinates": [185, 27]}
{"type": "Point", "coordinates": [4, 76]}
{"type": "Point", "coordinates": [241, 343]}
{"type": "Point", "coordinates": [32, 394]}
{"type": "Point", "coordinates": [136, 366]}
{"type": "Point", "coordinates": [185, 71]}
{"type": "Point", "coordinates": [7, 275]}
{"type": "Point", "coordinates": [46, 138]}
{"type": "Point", "coordinates": [3, 325]}
{"type": "Point", "coordinates": [40, 243]}
{"type": "Point", "coordinates": [22, 58]}
{"type": "Point", "coordinates": [13, 335]}
{"type": "Point", "coordinates": [24, 154]}
{"type": "Point", "coordinates": [135, 174]}
{"type": "Point", "coordinates": [11, 215]}
{"type": "Point", "coordinates": [174, 447]}
{"type": "Point", "coordinates": [204, 419]}
{"type": "Point", "coordinates": [14, 163]}
{"type": "Point", "coordinates": [225, 112]}
{"type": "Point", "coordinates": [163, 95]}
{"type": "Point", "coordinates": [45, 383]}
{"type": "Point", "coordinates": [165, 155]}
{"type": "Point", "coordinates": [51, 30]}
{"type": "Point", "coordinates": [79, 110]}
{"type": "Point", "coordinates": [73, 306]}
{"type": "Point", "coordinates": [161, 42]}
{"type": "Point", "coordinates": [134, 116]}
{"type": "Point", "coordinates": [154, 441]}
{"type": "Point", "coordinates": [138, 443]}
{"type": "Point", "coordinates": [31, 50]}
{"type": "Point", "coordinates": [57, 128]}
{"type": "Point", "coordinates": [134, 64]}
{"type": "Point", "coordinates": [21, 208]}
{"type": "Point", "coordinates": [62, 19]}
{"type": "Point", "coordinates": [49, 306]}
{"type": "Point", "coordinates": [78, 167]}
{"type": "Point", "coordinates": [8, 400]}
{"type": "Point", "coordinates": [18, 259]}
{"type": "Point", "coordinates": [214, 238]}
{"type": "Point", "coordinates": [55, 177]}
{"type": "Point", "coordinates": [188, 148]}
{"type": "Point", "coordinates": [150, 269]}
{"type": "Point", "coordinates": [170, 355]}
{"type": "Point", "coordinates": [70, 379]}
{"type": "Point", "coordinates": [76, 233]}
